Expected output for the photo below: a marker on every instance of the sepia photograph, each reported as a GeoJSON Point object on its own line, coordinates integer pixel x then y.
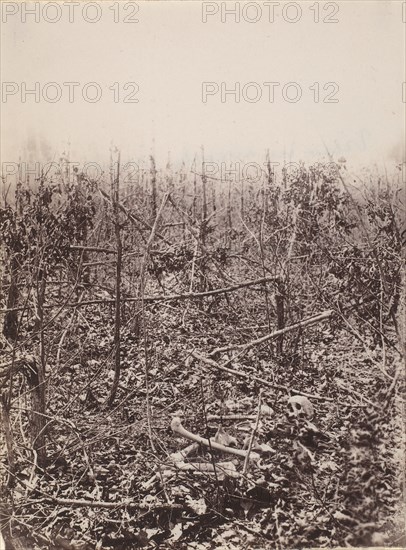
{"type": "Point", "coordinates": [202, 274]}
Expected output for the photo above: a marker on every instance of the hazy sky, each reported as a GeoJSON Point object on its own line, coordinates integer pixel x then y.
{"type": "Point", "coordinates": [170, 53]}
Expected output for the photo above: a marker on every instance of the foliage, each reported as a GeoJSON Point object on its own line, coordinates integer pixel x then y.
{"type": "Point", "coordinates": [332, 483]}
{"type": "Point", "coordinates": [40, 225]}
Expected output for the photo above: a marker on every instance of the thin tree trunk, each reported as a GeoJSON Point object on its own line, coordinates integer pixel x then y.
{"type": "Point", "coordinates": [10, 327]}
{"type": "Point", "coordinates": [153, 189]}
{"type": "Point", "coordinates": [280, 314]}
{"type": "Point", "coordinates": [117, 316]}
{"type": "Point", "coordinates": [203, 228]}
{"type": "Point", "coordinates": [262, 253]}
{"type": "Point", "coordinates": [8, 433]}
{"type": "Point", "coordinates": [194, 203]}
{"type": "Point", "coordinates": [230, 221]}
{"type": "Point", "coordinates": [242, 199]}
{"type": "Point", "coordinates": [143, 316]}
{"type": "Point", "coordinates": [37, 379]}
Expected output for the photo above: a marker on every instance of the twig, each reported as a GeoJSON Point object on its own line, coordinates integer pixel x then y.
{"type": "Point", "coordinates": [163, 298]}
{"type": "Point", "coordinates": [235, 417]}
{"type": "Point", "coordinates": [108, 505]}
{"type": "Point", "coordinates": [92, 249]}
{"type": "Point", "coordinates": [343, 386]}
{"type": "Point", "coordinates": [261, 381]}
{"type": "Point", "coordinates": [253, 434]}
{"type": "Point", "coordinates": [133, 217]}
{"type": "Point", "coordinates": [306, 322]}
{"type": "Point", "coordinates": [144, 323]}
{"type": "Point", "coordinates": [392, 387]}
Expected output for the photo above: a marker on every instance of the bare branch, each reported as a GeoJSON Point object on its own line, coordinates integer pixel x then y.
{"type": "Point", "coordinates": [306, 322]}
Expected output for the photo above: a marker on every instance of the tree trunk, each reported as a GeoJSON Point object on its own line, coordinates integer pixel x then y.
{"type": "Point", "coordinates": [117, 317]}
{"type": "Point", "coordinates": [153, 189]}
{"type": "Point", "coordinates": [280, 314]}
{"type": "Point", "coordinates": [36, 381]}
{"type": "Point", "coordinates": [8, 433]}
{"type": "Point", "coordinates": [10, 326]}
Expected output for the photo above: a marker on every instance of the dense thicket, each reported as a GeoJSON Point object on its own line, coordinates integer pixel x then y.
{"type": "Point", "coordinates": [109, 286]}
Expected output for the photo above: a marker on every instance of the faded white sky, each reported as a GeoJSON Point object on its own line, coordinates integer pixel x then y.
{"type": "Point", "coordinates": [170, 52]}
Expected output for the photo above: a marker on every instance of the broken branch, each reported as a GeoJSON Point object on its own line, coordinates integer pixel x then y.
{"type": "Point", "coordinates": [168, 298]}
{"type": "Point", "coordinates": [247, 376]}
{"type": "Point", "coordinates": [306, 322]}
{"type": "Point", "coordinates": [109, 505]}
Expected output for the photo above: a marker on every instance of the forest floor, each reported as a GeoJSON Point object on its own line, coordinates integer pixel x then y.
{"type": "Point", "coordinates": [328, 481]}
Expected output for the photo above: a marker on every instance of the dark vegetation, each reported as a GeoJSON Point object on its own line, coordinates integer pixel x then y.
{"type": "Point", "coordinates": [112, 327]}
